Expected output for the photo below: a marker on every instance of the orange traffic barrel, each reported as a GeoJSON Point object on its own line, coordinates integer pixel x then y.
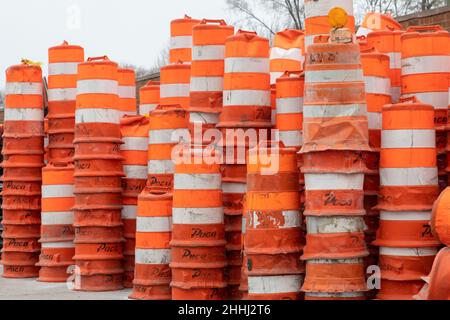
{"type": "Point", "coordinates": [426, 68]}
{"type": "Point", "coordinates": [317, 21]}
{"type": "Point", "coordinates": [149, 98]}
{"type": "Point", "coordinates": [153, 232]}
{"type": "Point", "coordinates": [408, 158]}
{"type": "Point", "coordinates": [134, 151]}
{"type": "Point", "coordinates": [181, 39]}
{"type": "Point", "coordinates": [440, 222]}
{"type": "Point", "coordinates": [168, 127]}
{"type": "Point", "coordinates": [399, 290]}
{"type": "Point", "coordinates": [437, 287]}
{"type": "Point", "coordinates": [334, 109]}
{"type": "Point", "coordinates": [389, 42]}
{"type": "Point", "coordinates": [246, 95]}
{"type": "Point", "coordinates": [63, 63]}
{"type": "Point", "coordinates": [126, 91]}
{"type": "Point", "coordinates": [273, 238]}
{"type": "Point", "coordinates": [175, 84]}
{"type": "Point", "coordinates": [57, 231]}
{"type": "Point", "coordinates": [198, 232]}
{"type": "Point", "coordinates": [374, 21]}
{"type": "Point", "coordinates": [287, 53]}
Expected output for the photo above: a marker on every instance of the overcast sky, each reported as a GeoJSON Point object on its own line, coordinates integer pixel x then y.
{"type": "Point", "coordinates": [131, 31]}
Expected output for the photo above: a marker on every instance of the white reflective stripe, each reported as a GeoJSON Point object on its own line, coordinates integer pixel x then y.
{"type": "Point", "coordinates": [97, 86]}
{"type": "Point", "coordinates": [127, 92]}
{"type": "Point", "coordinates": [145, 109]}
{"type": "Point", "coordinates": [405, 216]}
{"type": "Point", "coordinates": [327, 225]}
{"type": "Point", "coordinates": [129, 212]}
{"type": "Point", "coordinates": [62, 68]}
{"type": "Point", "coordinates": [295, 54]}
{"type": "Point", "coordinates": [161, 167]}
{"type": "Point", "coordinates": [97, 116]}
{"type": "Point", "coordinates": [363, 31]}
{"type": "Point", "coordinates": [152, 256]}
{"type": "Point", "coordinates": [396, 92]}
{"type": "Point", "coordinates": [244, 224]}
{"type": "Point", "coordinates": [399, 177]}
{"type": "Point", "coordinates": [314, 8]}
{"type": "Point", "coordinates": [395, 59]}
{"type": "Point", "coordinates": [274, 76]}
{"type": "Point", "coordinates": [375, 120]}
{"type": "Point", "coordinates": [197, 181]}
{"type": "Point", "coordinates": [234, 187]}
{"type": "Point", "coordinates": [46, 141]}
{"type": "Point", "coordinates": [153, 224]}
{"type": "Point", "coordinates": [57, 191]}
{"type": "Point", "coordinates": [439, 100]}
{"type": "Point", "coordinates": [377, 85]}
{"type": "Point", "coordinates": [335, 261]}
{"type": "Point", "coordinates": [274, 284]}
{"type": "Point", "coordinates": [166, 136]}
{"type": "Point", "coordinates": [327, 76]}
{"type": "Point", "coordinates": [212, 52]}
{"type": "Point", "coordinates": [197, 216]}
{"type": "Point", "coordinates": [335, 295]}
{"type": "Point", "coordinates": [181, 42]}
{"type": "Point", "coordinates": [292, 219]}
{"type": "Point", "coordinates": [246, 98]}
{"type": "Point", "coordinates": [58, 245]}
{"type": "Point", "coordinates": [23, 88]}
{"type": "Point", "coordinates": [174, 90]}
{"type": "Point", "coordinates": [206, 84]}
{"type": "Point", "coordinates": [253, 65]}
{"type": "Point", "coordinates": [291, 138]}
{"type": "Point", "coordinates": [62, 94]}
{"type": "Point", "coordinates": [334, 181]}
{"type": "Point", "coordinates": [202, 117]}
{"type": "Point", "coordinates": [134, 144]}
{"type": "Point", "coordinates": [289, 105]}
{"type": "Point", "coordinates": [24, 114]}
{"type": "Point", "coordinates": [407, 139]}
{"type": "Point", "coordinates": [408, 252]}
{"type": "Point", "coordinates": [135, 171]}
{"type": "Point", "coordinates": [425, 64]}
{"type": "Point", "coordinates": [334, 110]}
{"type": "Point", "coordinates": [57, 218]}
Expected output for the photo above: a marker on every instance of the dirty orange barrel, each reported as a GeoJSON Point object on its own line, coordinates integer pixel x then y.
{"type": "Point", "coordinates": [389, 42]}
{"type": "Point", "coordinates": [175, 84]}
{"type": "Point", "coordinates": [317, 21]}
{"type": "Point", "coordinates": [134, 151]}
{"type": "Point", "coordinates": [246, 96]}
{"type": "Point", "coordinates": [287, 53]}
{"type": "Point", "coordinates": [273, 238]}
{"type": "Point", "coordinates": [440, 222]}
{"type": "Point", "coordinates": [198, 233]}
{"type": "Point", "coordinates": [62, 90]}
{"type": "Point", "coordinates": [126, 91]}
{"type": "Point", "coordinates": [57, 231]}
{"type": "Point", "coordinates": [153, 232]}
{"type": "Point", "coordinates": [426, 68]}
{"type": "Point", "coordinates": [399, 290]}
{"type": "Point", "coordinates": [207, 70]}
{"type": "Point", "coordinates": [149, 98]}
{"type": "Point", "coordinates": [438, 284]}
{"type": "Point", "coordinates": [408, 158]}
{"type": "Point", "coordinates": [374, 21]}
{"type": "Point", "coordinates": [181, 39]}
{"type": "Point", "coordinates": [168, 126]}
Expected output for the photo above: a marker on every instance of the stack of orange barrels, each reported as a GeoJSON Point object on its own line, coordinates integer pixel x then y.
{"type": "Point", "coordinates": [335, 132]}
{"type": "Point", "coordinates": [273, 235]}
{"type": "Point", "coordinates": [148, 98]}
{"type": "Point", "coordinates": [409, 187]}
{"type": "Point", "coordinates": [181, 39]}
{"type": "Point", "coordinates": [23, 159]}
{"type": "Point", "coordinates": [425, 61]}
{"type": "Point", "coordinates": [57, 232]}
{"type": "Point", "coordinates": [246, 114]}
{"type": "Point", "coordinates": [98, 178]}
{"type": "Point", "coordinates": [134, 131]}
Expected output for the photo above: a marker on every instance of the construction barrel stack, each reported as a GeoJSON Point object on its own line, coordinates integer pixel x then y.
{"type": "Point", "coordinates": [425, 75]}
{"type": "Point", "coordinates": [181, 39]}
{"type": "Point", "coordinates": [148, 98]}
{"type": "Point", "coordinates": [409, 186]}
{"type": "Point", "coordinates": [98, 178]}
{"type": "Point", "coordinates": [335, 132]}
{"type": "Point", "coordinates": [23, 159]}
{"type": "Point", "coordinates": [273, 236]}
{"type": "Point", "coordinates": [126, 92]}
